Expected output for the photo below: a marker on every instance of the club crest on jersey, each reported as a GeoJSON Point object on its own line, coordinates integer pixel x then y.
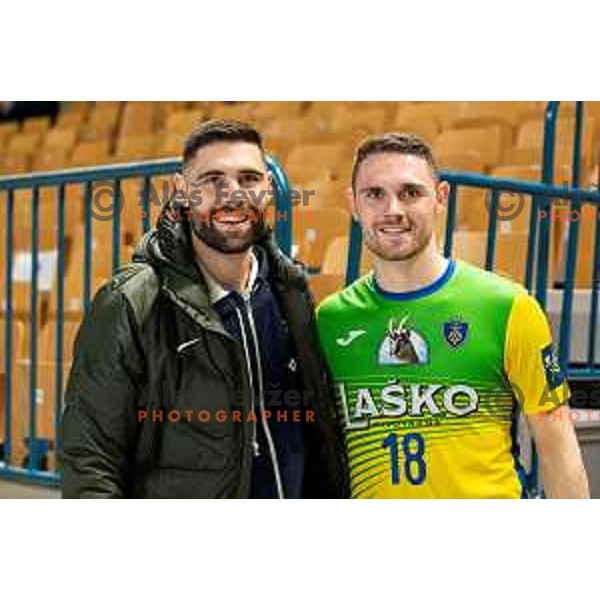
{"type": "Point", "coordinates": [403, 345]}
{"type": "Point", "coordinates": [455, 332]}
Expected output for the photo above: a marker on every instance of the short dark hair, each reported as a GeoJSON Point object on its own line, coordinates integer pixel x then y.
{"type": "Point", "coordinates": [402, 143]}
{"type": "Point", "coordinates": [219, 130]}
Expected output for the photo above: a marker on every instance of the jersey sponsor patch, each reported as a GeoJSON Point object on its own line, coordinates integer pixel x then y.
{"type": "Point", "coordinates": [554, 374]}
{"type": "Point", "coordinates": [403, 345]}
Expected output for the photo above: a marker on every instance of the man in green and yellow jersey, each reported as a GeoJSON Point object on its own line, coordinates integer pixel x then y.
{"type": "Point", "coordinates": [434, 360]}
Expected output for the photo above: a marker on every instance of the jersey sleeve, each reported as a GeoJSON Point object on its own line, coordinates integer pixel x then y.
{"type": "Point", "coordinates": [530, 361]}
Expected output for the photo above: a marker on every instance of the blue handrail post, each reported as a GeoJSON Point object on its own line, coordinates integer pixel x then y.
{"type": "Point", "coordinates": [450, 220]}
{"type": "Point", "coordinates": [571, 258]}
{"type": "Point", "coordinates": [118, 204]}
{"type": "Point", "coordinates": [60, 319]}
{"type": "Point", "coordinates": [354, 252]}
{"type": "Point", "coordinates": [595, 290]}
{"type": "Point", "coordinates": [283, 206]}
{"type": "Point", "coordinates": [8, 331]}
{"type": "Point", "coordinates": [33, 446]}
{"type": "Point", "coordinates": [545, 204]}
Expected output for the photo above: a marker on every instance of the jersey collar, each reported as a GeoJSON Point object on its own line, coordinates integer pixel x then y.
{"type": "Point", "coordinates": [419, 293]}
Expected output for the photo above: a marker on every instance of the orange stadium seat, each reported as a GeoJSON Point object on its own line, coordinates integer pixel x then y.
{"type": "Point", "coordinates": [139, 147]}
{"type": "Point", "coordinates": [333, 158]}
{"type": "Point", "coordinates": [138, 119]}
{"type": "Point", "coordinates": [90, 153]}
{"type": "Point", "coordinates": [440, 112]}
{"type": "Point", "coordinates": [480, 114]}
{"type": "Point", "coordinates": [18, 351]}
{"type": "Point", "coordinates": [36, 125]}
{"type": "Point", "coordinates": [482, 143]}
{"type": "Point", "coordinates": [530, 142]}
{"type": "Point", "coordinates": [24, 143]}
{"type": "Point", "coordinates": [184, 121]}
{"type": "Point", "coordinates": [315, 229]}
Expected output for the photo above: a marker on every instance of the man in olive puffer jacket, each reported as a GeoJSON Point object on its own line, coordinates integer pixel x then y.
{"type": "Point", "coordinates": [197, 372]}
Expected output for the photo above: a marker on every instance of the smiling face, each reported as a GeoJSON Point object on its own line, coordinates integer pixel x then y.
{"type": "Point", "coordinates": [396, 199]}
{"type": "Point", "coordinates": [226, 185]}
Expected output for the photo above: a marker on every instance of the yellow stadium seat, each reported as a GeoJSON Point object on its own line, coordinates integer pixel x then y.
{"type": "Point", "coordinates": [323, 286]}
{"type": "Point", "coordinates": [511, 252]}
{"type": "Point", "coordinates": [427, 129]}
{"type": "Point", "coordinates": [531, 137]}
{"type": "Point", "coordinates": [438, 112]}
{"type": "Point", "coordinates": [13, 164]}
{"type": "Point", "coordinates": [485, 144]}
{"type": "Point", "coordinates": [480, 114]}
{"type": "Point", "coordinates": [24, 143]}
{"type": "Point", "coordinates": [184, 122]}
{"type": "Point", "coordinates": [90, 153]}
{"type": "Point", "coordinates": [140, 147]}
{"type": "Point", "coordinates": [334, 158]}
{"type": "Point", "coordinates": [324, 194]}
{"type": "Point", "coordinates": [36, 125]}
{"type": "Point", "coordinates": [60, 138]}
{"type": "Point", "coordinates": [315, 229]}
{"type": "Point", "coordinates": [18, 351]}
{"type": "Point", "coordinates": [138, 119]}
{"type": "Point", "coordinates": [460, 162]}
{"type": "Point", "coordinates": [335, 259]}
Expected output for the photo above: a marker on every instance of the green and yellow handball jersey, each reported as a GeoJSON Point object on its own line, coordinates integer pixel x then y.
{"type": "Point", "coordinates": [430, 383]}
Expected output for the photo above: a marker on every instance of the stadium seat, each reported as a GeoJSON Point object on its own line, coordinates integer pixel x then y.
{"type": "Point", "coordinates": [36, 125]}
{"type": "Point", "coordinates": [481, 114]}
{"type": "Point", "coordinates": [587, 215]}
{"type": "Point", "coordinates": [483, 143]}
{"type": "Point", "coordinates": [453, 161]}
{"type": "Point", "coordinates": [428, 129]}
{"type": "Point", "coordinates": [322, 286]}
{"type": "Point", "coordinates": [7, 130]}
{"type": "Point", "coordinates": [74, 278]}
{"type": "Point", "coordinates": [46, 369]}
{"type": "Point", "coordinates": [530, 138]}
{"type": "Point", "coordinates": [88, 153]}
{"type": "Point", "coordinates": [134, 148]}
{"type": "Point", "coordinates": [14, 164]}
{"type": "Point", "coordinates": [60, 138]}
{"type": "Point", "coordinates": [439, 112]}
{"type": "Point", "coordinates": [102, 122]}
{"type": "Point", "coordinates": [314, 230]}
{"type": "Point", "coordinates": [18, 349]}
{"type": "Point", "coordinates": [138, 119]}
{"type": "Point", "coordinates": [336, 258]}
{"type": "Point", "coordinates": [183, 122]}
{"type": "Point", "coordinates": [333, 158]}
{"type": "Point", "coordinates": [511, 252]}
{"type": "Point", "coordinates": [327, 194]}
{"type": "Point", "coordinates": [24, 143]}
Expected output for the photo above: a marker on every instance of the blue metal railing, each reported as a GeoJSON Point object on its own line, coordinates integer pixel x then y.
{"type": "Point", "coordinates": [37, 447]}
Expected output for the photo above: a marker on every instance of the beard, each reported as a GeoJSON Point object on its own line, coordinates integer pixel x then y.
{"type": "Point", "coordinates": [235, 241]}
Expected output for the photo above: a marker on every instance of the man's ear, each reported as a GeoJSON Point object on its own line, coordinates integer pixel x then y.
{"type": "Point", "coordinates": [179, 182]}
{"type": "Point", "coordinates": [441, 194]}
{"type": "Point", "coordinates": [180, 188]}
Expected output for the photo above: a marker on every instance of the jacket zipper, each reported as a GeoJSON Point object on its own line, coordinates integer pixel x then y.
{"type": "Point", "coordinates": [261, 397]}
